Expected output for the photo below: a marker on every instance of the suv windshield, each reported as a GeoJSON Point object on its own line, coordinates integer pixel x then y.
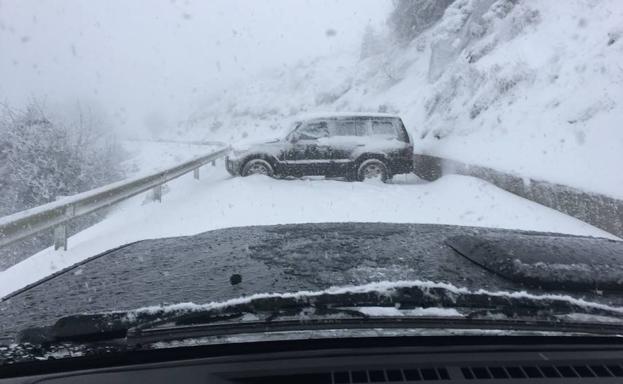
{"type": "Point", "coordinates": [232, 162]}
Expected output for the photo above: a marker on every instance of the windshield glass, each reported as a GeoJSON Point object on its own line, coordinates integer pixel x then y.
{"type": "Point", "coordinates": [169, 152]}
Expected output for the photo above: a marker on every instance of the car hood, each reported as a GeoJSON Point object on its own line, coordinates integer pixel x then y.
{"type": "Point", "coordinates": [290, 258]}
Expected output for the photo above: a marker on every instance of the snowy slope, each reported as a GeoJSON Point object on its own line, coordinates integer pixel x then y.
{"type": "Point", "coordinates": [531, 87]}
{"type": "Point", "coordinates": [219, 201]}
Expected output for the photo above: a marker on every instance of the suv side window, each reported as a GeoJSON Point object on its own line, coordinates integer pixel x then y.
{"type": "Point", "coordinates": [349, 127]}
{"type": "Point", "coordinates": [313, 130]}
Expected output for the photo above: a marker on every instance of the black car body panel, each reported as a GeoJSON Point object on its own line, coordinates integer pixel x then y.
{"type": "Point", "coordinates": [333, 145]}
{"type": "Point", "coordinates": [290, 258]}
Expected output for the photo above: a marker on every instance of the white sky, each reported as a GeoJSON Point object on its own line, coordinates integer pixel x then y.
{"type": "Point", "coordinates": [134, 57]}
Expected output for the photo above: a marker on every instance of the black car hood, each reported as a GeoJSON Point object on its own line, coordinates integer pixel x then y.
{"type": "Point", "coordinates": [287, 258]}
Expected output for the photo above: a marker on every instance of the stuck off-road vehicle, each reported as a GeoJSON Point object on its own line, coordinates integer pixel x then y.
{"type": "Point", "coordinates": [354, 146]}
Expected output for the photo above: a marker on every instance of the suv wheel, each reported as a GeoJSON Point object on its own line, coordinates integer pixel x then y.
{"type": "Point", "coordinates": [257, 167]}
{"type": "Point", "coordinates": [373, 169]}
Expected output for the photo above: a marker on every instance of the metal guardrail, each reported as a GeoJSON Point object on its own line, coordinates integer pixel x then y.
{"type": "Point", "coordinates": [56, 214]}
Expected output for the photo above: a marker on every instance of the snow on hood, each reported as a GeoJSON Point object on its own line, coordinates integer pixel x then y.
{"type": "Point", "coordinates": [382, 288]}
{"type": "Point", "coordinates": [568, 263]}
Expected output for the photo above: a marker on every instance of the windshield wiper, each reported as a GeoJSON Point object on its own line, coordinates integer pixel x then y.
{"type": "Point", "coordinates": [339, 308]}
{"type": "Point", "coordinates": [138, 337]}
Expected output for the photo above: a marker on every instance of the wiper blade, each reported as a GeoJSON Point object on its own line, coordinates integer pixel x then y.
{"type": "Point", "coordinates": [138, 337]}
{"type": "Point", "coordinates": [403, 295]}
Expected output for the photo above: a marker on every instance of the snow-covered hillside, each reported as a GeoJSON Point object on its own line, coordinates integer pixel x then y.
{"type": "Point", "coordinates": [532, 87]}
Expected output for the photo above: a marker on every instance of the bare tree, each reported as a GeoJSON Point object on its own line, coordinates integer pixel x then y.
{"type": "Point", "coordinates": [43, 158]}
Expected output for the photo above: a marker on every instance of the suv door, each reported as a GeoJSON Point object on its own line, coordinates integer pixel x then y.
{"type": "Point", "coordinates": [346, 137]}
{"type": "Point", "coordinates": [307, 155]}
{"type": "Point", "coordinates": [398, 149]}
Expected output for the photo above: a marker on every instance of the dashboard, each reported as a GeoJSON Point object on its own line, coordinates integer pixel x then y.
{"type": "Point", "coordinates": [447, 359]}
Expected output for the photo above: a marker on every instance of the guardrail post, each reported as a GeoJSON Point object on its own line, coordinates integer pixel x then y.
{"type": "Point", "coordinates": [214, 163]}
{"type": "Point", "coordinates": [157, 193]}
{"type": "Point", "coordinates": [60, 232]}
{"type": "Point", "coordinates": [60, 237]}
{"type": "Point", "coordinates": [196, 173]}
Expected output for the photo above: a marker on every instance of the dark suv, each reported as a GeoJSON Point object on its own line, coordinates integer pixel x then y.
{"type": "Point", "coordinates": [355, 146]}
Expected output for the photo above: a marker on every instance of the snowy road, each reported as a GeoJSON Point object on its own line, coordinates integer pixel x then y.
{"type": "Point", "coordinates": [220, 201]}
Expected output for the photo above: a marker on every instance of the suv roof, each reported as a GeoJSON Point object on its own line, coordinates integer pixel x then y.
{"type": "Point", "coordinates": [330, 115]}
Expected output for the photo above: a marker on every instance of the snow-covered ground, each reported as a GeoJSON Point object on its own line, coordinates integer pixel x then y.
{"type": "Point", "coordinates": [219, 201]}
{"type": "Point", "coordinates": [530, 87]}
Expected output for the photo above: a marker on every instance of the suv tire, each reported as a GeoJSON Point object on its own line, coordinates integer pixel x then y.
{"type": "Point", "coordinates": [257, 167]}
{"type": "Point", "coordinates": [372, 169]}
